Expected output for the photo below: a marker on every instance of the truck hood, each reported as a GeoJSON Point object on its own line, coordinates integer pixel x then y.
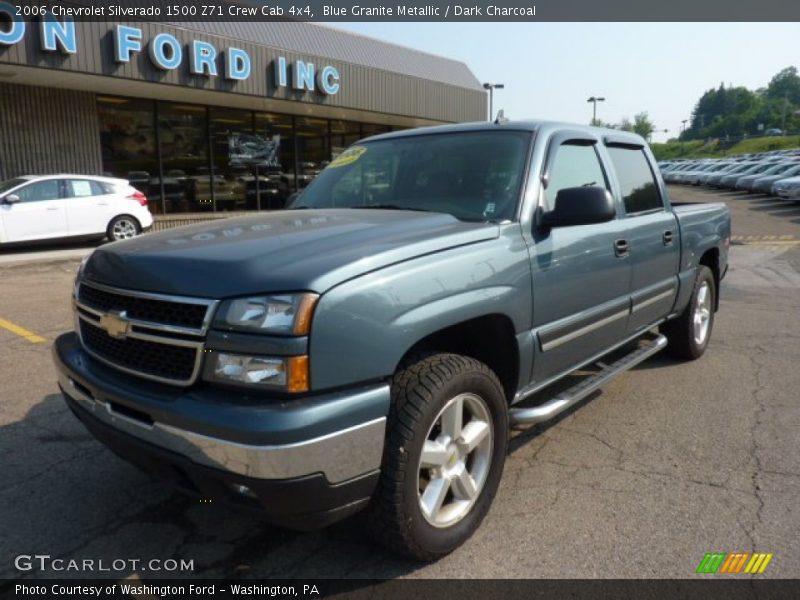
{"type": "Point", "coordinates": [277, 252]}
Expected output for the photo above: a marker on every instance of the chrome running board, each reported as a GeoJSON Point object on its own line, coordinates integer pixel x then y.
{"type": "Point", "coordinates": [567, 398]}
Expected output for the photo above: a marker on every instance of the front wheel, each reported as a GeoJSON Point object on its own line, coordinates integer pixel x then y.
{"type": "Point", "coordinates": [446, 445]}
{"type": "Point", "coordinates": [123, 227]}
{"type": "Point", "coordinates": [688, 334]}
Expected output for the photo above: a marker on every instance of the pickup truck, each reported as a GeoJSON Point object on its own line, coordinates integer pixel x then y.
{"type": "Point", "coordinates": [372, 346]}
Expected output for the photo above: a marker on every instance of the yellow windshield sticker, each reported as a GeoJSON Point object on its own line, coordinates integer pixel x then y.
{"type": "Point", "coordinates": [349, 156]}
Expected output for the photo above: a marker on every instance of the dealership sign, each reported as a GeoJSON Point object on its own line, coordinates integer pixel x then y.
{"type": "Point", "coordinates": [167, 53]}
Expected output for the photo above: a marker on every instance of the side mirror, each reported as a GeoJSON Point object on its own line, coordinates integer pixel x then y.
{"type": "Point", "coordinates": [580, 206]}
{"type": "Point", "coordinates": [11, 199]}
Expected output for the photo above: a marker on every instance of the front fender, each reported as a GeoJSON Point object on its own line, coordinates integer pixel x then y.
{"type": "Point", "coordinates": [363, 327]}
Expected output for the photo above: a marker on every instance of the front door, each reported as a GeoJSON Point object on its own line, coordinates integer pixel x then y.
{"type": "Point", "coordinates": [39, 214]}
{"type": "Point", "coordinates": [580, 274]}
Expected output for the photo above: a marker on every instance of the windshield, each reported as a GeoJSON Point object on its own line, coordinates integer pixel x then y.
{"type": "Point", "coordinates": [793, 171]}
{"type": "Point", "coordinates": [779, 168]}
{"type": "Point", "coordinates": [474, 176]}
{"type": "Point", "coordinates": [755, 169]}
{"type": "Point", "coordinates": [10, 184]}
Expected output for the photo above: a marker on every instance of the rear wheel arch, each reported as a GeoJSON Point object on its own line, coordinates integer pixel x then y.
{"type": "Point", "coordinates": [710, 259]}
{"type": "Point", "coordinates": [120, 218]}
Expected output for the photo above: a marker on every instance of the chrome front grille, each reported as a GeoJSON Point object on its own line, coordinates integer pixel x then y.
{"type": "Point", "coordinates": [168, 313]}
{"type": "Point", "coordinates": [162, 337]}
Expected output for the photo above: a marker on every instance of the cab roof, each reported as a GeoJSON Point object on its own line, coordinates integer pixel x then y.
{"type": "Point", "coordinates": [534, 126]}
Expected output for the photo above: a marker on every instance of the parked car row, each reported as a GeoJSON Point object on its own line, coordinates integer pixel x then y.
{"type": "Point", "coordinates": [50, 207]}
{"type": "Point", "coordinates": [773, 173]}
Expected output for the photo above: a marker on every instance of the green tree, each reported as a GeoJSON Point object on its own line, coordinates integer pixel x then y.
{"type": "Point", "coordinates": [785, 85]}
{"type": "Point", "coordinates": [625, 124]}
{"type": "Point", "coordinates": [643, 125]}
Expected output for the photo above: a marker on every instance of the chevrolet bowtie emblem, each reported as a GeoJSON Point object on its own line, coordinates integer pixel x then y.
{"type": "Point", "coordinates": [115, 324]}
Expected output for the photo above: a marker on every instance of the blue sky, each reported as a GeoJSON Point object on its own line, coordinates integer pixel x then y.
{"type": "Point", "coordinates": [550, 69]}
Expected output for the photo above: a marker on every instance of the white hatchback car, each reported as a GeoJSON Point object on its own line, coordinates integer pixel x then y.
{"type": "Point", "coordinates": [42, 207]}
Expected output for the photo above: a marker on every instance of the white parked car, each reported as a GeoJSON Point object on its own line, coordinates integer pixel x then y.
{"type": "Point", "coordinates": [42, 207]}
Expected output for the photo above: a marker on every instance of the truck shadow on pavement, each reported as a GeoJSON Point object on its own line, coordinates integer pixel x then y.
{"type": "Point", "coordinates": [69, 497]}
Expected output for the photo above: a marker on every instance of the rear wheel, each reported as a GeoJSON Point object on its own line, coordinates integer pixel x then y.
{"type": "Point", "coordinates": [123, 227]}
{"type": "Point", "coordinates": [688, 335]}
{"type": "Point", "coordinates": [444, 455]}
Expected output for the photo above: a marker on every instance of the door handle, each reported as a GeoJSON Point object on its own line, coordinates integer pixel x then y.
{"type": "Point", "coordinates": [52, 208]}
{"type": "Point", "coordinates": [667, 238]}
{"type": "Point", "coordinates": [621, 248]}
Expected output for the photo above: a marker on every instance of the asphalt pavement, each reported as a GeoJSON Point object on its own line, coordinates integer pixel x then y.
{"type": "Point", "coordinates": [668, 462]}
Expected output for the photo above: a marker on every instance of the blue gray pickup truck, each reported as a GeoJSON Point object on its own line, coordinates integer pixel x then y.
{"type": "Point", "coordinates": [371, 346]}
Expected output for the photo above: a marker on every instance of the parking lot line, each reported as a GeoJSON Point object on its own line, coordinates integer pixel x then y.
{"type": "Point", "coordinates": [22, 332]}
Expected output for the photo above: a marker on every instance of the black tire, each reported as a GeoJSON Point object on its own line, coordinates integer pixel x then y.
{"type": "Point", "coordinates": [420, 391]}
{"type": "Point", "coordinates": [680, 331]}
{"type": "Point", "coordinates": [112, 231]}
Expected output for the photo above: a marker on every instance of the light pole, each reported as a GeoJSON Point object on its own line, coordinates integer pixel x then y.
{"type": "Point", "coordinates": [785, 106]}
{"type": "Point", "coordinates": [594, 100]}
{"type": "Point", "coordinates": [492, 87]}
{"type": "Point", "coordinates": [684, 122]}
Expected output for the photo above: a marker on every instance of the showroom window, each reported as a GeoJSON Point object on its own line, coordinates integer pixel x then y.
{"type": "Point", "coordinates": [276, 166]}
{"type": "Point", "coordinates": [128, 144]}
{"type": "Point", "coordinates": [369, 129]}
{"type": "Point", "coordinates": [343, 134]}
{"type": "Point", "coordinates": [195, 158]}
{"type": "Point", "coordinates": [183, 137]}
{"type": "Point", "coordinates": [313, 150]}
{"type": "Point", "coordinates": [233, 148]}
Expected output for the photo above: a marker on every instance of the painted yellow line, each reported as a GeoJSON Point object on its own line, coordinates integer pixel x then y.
{"type": "Point", "coordinates": [22, 332]}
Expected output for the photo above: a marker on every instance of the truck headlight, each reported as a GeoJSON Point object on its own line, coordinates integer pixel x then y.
{"type": "Point", "coordinates": [281, 314]}
{"type": "Point", "coordinates": [288, 373]}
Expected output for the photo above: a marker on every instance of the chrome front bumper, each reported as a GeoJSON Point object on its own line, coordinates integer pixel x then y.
{"type": "Point", "coordinates": [339, 456]}
{"type": "Point", "coordinates": [339, 435]}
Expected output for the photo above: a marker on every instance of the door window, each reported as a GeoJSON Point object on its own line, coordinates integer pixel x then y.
{"type": "Point", "coordinates": [575, 165]}
{"type": "Point", "coordinates": [639, 190]}
{"type": "Point", "coordinates": [82, 188]}
{"type": "Point", "coordinates": [39, 191]}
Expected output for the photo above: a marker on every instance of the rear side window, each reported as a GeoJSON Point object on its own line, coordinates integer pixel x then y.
{"type": "Point", "coordinates": [81, 188]}
{"type": "Point", "coordinates": [639, 190]}
{"type": "Point", "coordinates": [575, 165]}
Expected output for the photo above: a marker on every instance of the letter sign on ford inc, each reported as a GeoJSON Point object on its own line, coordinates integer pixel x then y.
{"type": "Point", "coordinates": [171, 52]}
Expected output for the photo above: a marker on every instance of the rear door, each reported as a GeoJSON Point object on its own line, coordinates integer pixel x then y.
{"type": "Point", "coordinates": [89, 207]}
{"type": "Point", "coordinates": [39, 214]}
{"type": "Point", "coordinates": [651, 231]}
{"type": "Point", "coordinates": [581, 281]}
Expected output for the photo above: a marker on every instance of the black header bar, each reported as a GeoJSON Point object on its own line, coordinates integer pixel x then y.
{"type": "Point", "coordinates": [386, 10]}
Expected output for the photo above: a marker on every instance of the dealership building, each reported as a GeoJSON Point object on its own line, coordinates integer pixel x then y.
{"type": "Point", "coordinates": [207, 116]}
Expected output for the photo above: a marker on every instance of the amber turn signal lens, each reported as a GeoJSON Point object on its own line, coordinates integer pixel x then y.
{"type": "Point", "coordinates": [305, 310]}
{"type": "Point", "coordinates": [298, 380]}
